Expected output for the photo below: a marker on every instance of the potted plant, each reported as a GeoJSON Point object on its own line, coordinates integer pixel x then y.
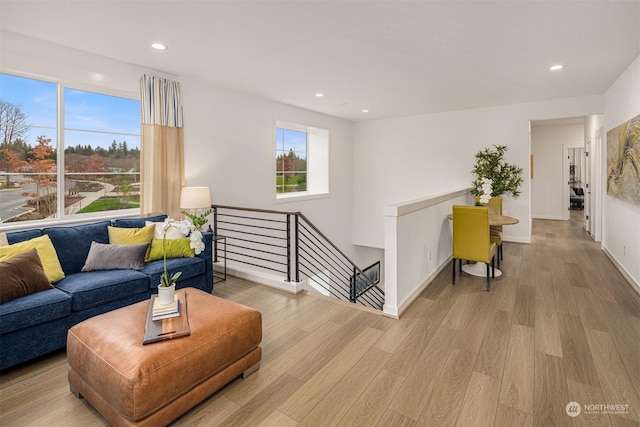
{"type": "Point", "coordinates": [198, 220]}
{"type": "Point", "coordinates": [493, 172]}
{"type": "Point", "coordinates": [167, 287]}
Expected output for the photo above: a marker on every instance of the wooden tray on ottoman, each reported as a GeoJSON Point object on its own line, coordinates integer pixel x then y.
{"type": "Point", "coordinates": [167, 329]}
{"type": "Point", "coordinates": [132, 384]}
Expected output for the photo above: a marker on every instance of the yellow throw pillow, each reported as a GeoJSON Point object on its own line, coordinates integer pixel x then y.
{"type": "Point", "coordinates": [46, 252]}
{"type": "Point", "coordinates": [131, 236]}
{"type": "Point", "coordinates": [175, 248]}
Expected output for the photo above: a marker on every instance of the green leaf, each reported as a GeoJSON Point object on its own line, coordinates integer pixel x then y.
{"type": "Point", "coordinates": [506, 178]}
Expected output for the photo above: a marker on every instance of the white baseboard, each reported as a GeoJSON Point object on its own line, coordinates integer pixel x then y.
{"type": "Point", "coordinates": [525, 240]}
{"type": "Point", "coordinates": [396, 312]}
{"type": "Point", "coordinates": [266, 279]}
{"type": "Point", "coordinates": [553, 217]}
{"type": "Point", "coordinates": [634, 284]}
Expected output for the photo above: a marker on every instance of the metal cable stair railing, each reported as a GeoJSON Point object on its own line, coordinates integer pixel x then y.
{"type": "Point", "coordinates": [289, 244]}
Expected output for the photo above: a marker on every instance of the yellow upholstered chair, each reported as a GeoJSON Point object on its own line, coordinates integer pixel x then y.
{"type": "Point", "coordinates": [471, 240]}
{"type": "Point", "coordinates": [495, 208]}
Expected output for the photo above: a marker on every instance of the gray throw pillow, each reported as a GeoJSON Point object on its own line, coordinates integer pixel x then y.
{"type": "Point", "coordinates": [112, 256]}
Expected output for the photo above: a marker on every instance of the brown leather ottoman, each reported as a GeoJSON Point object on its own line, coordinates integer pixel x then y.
{"type": "Point", "coordinates": [135, 385]}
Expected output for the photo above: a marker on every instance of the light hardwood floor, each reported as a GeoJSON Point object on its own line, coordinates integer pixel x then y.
{"type": "Point", "coordinates": [560, 325]}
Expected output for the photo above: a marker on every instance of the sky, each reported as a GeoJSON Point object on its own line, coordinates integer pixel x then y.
{"type": "Point", "coordinates": [287, 139]}
{"type": "Point", "coordinates": [108, 118]}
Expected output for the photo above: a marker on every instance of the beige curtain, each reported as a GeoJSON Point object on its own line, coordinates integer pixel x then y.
{"type": "Point", "coordinates": [162, 147]}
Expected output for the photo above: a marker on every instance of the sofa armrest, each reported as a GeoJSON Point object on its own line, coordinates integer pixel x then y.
{"type": "Point", "coordinates": [207, 254]}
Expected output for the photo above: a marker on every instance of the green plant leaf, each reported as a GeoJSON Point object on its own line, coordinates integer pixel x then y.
{"type": "Point", "coordinates": [506, 178]}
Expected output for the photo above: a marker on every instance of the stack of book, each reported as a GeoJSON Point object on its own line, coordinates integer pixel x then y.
{"type": "Point", "coordinates": [166, 311]}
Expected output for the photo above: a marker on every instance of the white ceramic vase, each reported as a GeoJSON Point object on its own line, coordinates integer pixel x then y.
{"type": "Point", "coordinates": [166, 294]}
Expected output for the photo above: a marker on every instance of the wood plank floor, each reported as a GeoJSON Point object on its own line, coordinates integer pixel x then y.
{"type": "Point", "coordinates": [560, 325]}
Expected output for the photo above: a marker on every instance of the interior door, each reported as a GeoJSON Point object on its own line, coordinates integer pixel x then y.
{"type": "Point", "coordinates": [567, 184]}
{"type": "Point", "coordinates": [587, 188]}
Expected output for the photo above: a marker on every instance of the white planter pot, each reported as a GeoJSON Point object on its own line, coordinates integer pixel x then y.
{"type": "Point", "coordinates": [166, 294]}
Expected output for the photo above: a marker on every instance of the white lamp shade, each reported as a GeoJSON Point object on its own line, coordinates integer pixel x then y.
{"type": "Point", "coordinates": [195, 198]}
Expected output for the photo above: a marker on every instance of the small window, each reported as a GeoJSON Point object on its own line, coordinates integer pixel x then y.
{"type": "Point", "coordinates": [291, 161]}
{"type": "Point", "coordinates": [302, 160]}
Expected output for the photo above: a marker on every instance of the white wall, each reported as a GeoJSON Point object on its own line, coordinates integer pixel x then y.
{"type": "Point", "coordinates": [401, 159]}
{"type": "Point", "coordinates": [621, 220]}
{"type": "Point", "coordinates": [38, 59]}
{"type": "Point", "coordinates": [229, 136]}
{"type": "Point", "coordinates": [229, 146]}
{"type": "Point", "coordinates": [418, 242]}
{"type": "Point", "coordinates": [549, 145]}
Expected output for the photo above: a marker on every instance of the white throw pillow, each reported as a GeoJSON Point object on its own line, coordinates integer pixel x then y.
{"type": "Point", "coordinates": [172, 233]}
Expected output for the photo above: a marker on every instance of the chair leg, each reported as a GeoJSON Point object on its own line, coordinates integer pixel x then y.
{"type": "Point", "coordinates": [453, 272]}
{"type": "Point", "coordinates": [498, 256]}
{"type": "Point", "coordinates": [488, 280]}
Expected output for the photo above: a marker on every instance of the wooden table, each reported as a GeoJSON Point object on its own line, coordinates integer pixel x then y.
{"type": "Point", "coordinates": [496, 219]}
{"type": "Point", "coordinates": [480, 268]}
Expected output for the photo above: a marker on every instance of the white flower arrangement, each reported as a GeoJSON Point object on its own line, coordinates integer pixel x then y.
{"type": "Point", "coordinates": [486, 191]}
{"type": "Point", "coordinates": [187, 229]}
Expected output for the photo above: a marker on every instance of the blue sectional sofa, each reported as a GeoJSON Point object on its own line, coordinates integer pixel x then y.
{"type": "Point", "coordinates": [36, 324]}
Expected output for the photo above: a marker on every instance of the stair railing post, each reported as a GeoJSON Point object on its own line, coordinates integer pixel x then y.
{"type": "Point", "coordinates": [215, 233]}
{"type": "Point", "coordinates": [297, 239]}
{"type": "Point", "coordinates": [288, 247]}
{"type": "Point", "coordinates": [352, 286]}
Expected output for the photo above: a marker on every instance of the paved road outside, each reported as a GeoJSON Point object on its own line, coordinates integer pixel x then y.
{"type": "Point", "coordinates": [13, 203]}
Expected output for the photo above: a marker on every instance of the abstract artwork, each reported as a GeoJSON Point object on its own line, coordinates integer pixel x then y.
{"type": "Point", "coordinates": [623, 161]}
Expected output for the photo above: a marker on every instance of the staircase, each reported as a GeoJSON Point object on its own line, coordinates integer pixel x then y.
{"type": "Point", "coordinates": [290, 245]}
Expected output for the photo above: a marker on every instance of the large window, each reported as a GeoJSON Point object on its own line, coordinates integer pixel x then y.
{"type": "Point", "coordinates": [99, 135]}
{"type": "Point", "coordinates": [302, 160]}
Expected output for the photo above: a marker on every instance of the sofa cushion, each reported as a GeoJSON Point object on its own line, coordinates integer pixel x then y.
{"type": "Point", "coordinates": [46, 252]}
{"type": "Point", "coordinates": [131, 235]}
{"type": "Point", "coordinates": [110, 257]}
{"type": "Point", "coordinates": [137, 222]}
{"type": "Point", "coordinates": [73, 243]}
{"type": "Point", "coordinates": [94, 288]}
{"type": "Point", "coordinates": [34, 309]}
{"type": "Point", "coordinates": [162, 232]}
{"type": "Point", "coordinates": [22, 275]}
{"type": "Point", "coordinates": [189, 267]}
{"type": "Point", "coordinates": [21, 236]}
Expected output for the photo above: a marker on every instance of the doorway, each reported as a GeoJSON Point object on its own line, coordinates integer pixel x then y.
{"type": "Point", "coordinates": [576, 180]}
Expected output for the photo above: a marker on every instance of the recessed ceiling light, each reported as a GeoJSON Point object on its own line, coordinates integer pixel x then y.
{"type": "Point", "coordinates": [158, 46]}
{"type": "Point", "coordinates": [556, 67]}
{"type": "Point", "coordinates": [365, 111]}
{"type": "Point", "coordinates": [319, 95]}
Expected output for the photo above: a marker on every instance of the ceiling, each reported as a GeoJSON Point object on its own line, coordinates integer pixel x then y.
{"type": "Point", "coordinates": [394, 58]}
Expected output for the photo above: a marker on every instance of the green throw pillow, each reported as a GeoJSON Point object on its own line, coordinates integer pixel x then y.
{"type": "Point", "coordinates": [175, 248]}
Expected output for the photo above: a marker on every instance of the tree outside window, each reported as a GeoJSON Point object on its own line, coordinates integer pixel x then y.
{"type": "Point", "coordinates": [291, 161]}
{"type": "Point", "coordinates": [99, 169]}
